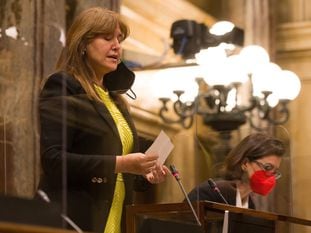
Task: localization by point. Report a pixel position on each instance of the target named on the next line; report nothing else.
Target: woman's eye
(268, 167)
(108, 37)
(105, 37)
(120, 38)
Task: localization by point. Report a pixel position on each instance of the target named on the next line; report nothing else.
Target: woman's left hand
(158, 174)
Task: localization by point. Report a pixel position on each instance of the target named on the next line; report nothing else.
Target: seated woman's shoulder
(221, 183)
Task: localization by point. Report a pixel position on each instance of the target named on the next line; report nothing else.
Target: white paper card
(161, 146)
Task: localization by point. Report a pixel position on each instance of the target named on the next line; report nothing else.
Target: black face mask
(120, 80)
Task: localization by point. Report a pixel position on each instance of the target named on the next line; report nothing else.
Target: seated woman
(252, 166)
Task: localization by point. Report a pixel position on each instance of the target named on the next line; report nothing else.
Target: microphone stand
(46, 199)
(214, 187)
(177, 177)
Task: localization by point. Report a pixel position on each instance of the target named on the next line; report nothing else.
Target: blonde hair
(86, 26)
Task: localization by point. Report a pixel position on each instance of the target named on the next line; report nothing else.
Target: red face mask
(261, 183)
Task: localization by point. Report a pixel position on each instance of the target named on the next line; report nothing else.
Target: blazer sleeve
(62, 105)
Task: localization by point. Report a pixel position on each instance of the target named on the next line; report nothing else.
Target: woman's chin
(112, 66)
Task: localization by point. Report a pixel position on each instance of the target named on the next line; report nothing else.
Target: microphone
(43, 196)
(214, 187)
(46, 199)
(175, 173)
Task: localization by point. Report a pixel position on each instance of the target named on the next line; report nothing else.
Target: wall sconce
(241, 87)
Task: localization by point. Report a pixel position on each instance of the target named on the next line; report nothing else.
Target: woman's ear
(82, 48)
(244, 164)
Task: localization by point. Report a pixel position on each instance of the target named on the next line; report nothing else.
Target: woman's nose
(116, 44)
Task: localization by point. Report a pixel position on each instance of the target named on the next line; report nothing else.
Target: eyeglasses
(269, 169)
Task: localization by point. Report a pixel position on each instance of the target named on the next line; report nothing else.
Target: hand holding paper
(162, 146)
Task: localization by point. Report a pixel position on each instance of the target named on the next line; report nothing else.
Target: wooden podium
(9, 227)
(177, 217)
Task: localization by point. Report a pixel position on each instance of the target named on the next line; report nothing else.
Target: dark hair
(251, 148)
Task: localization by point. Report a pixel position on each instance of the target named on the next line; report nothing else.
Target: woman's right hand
(136, 163)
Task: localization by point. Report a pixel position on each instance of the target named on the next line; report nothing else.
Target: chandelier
(232, 90)
(227, 85)
(233, 87)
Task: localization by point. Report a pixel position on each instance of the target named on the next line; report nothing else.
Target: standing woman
(89, 147)
(250, 167)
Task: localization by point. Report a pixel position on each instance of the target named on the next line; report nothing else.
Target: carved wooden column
(257, 23)
(20, 71)
(29, 46)
(293, 53)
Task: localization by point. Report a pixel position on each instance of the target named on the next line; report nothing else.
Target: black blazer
(227, 188)
(79, 144)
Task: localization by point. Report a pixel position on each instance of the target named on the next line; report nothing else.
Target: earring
(83, 52)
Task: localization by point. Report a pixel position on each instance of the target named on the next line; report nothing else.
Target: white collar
(239, 200)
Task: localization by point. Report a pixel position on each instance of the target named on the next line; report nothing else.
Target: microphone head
(212, 183)
(173, 169)
(174, 172)
(43, 196)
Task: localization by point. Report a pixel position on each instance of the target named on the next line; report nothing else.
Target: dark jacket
(226, 187)
(79, 144)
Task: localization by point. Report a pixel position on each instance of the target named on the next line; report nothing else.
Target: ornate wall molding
(294, 47)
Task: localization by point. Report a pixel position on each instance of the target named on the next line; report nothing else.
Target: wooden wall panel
(150, 23)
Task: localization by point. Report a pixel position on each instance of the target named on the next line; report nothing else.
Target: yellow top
(114, 219)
